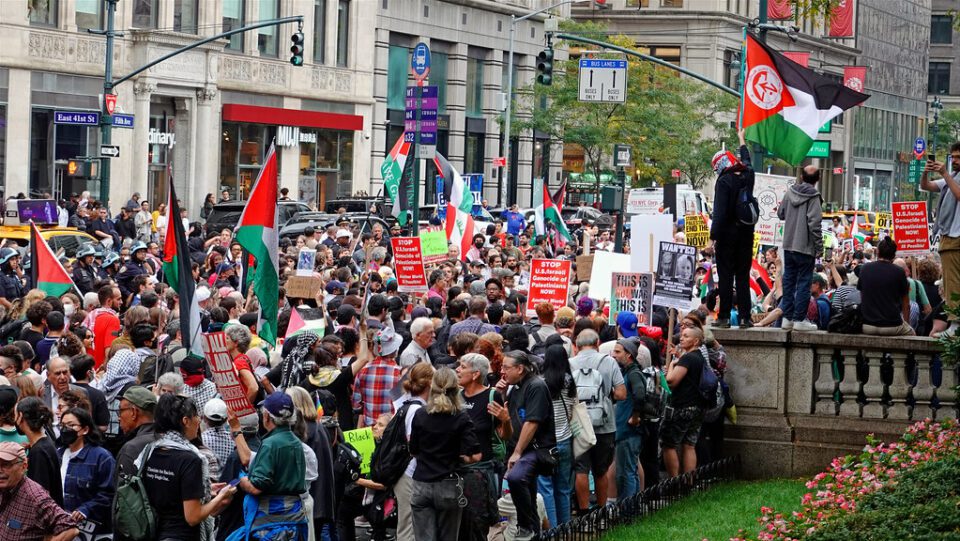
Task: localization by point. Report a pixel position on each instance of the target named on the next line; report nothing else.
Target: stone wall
(804, 398)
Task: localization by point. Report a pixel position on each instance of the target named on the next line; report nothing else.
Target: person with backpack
(599, 384)
(802, 213)
(682, 420)
(539, 333)
(735, 213)
(630, 414)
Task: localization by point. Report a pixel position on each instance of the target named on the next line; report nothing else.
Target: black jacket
(85, 277)
(725, 223)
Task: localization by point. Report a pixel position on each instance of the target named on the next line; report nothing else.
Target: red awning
(276, 116)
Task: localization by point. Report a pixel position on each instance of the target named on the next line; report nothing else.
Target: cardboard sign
(584, 268)
(434, 246)
(675, 276)
(225, 375)
(303, 287)
(604, 265)
(362, 440)
(696, 231)
(408, 265)
(549, 282)
(646, 234)
(884, 221)
(910, 228)
(769, 191)
(632, 292)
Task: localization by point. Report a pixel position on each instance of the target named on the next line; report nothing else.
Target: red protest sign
(408, 264)
(549, 281)
(225, 375)
(910, 228)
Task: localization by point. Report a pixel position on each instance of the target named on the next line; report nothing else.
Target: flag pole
(742, 82)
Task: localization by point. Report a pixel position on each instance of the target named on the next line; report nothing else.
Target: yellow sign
(756, 243)
(362, 440)
(696, 231)
(884, 221)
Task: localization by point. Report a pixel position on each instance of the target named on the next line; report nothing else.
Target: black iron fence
(593, 526)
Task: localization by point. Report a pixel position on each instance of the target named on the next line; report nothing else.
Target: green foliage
(948, 131)
(814, 8)
(672, 122)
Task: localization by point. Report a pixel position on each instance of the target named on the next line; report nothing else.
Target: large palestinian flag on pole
(257, 233)
(177, 273)
(47, 274)
(548, 212)
(784, 104)
(456, 192)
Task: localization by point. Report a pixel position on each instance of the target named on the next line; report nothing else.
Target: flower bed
(857, 488)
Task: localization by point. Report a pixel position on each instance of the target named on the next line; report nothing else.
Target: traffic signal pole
(106, 120)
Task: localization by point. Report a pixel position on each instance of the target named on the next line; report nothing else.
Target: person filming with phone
(947, 224)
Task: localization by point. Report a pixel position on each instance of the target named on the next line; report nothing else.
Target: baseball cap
(141, 398)
(278, 404)
(223, 267)
(8, 398)
(215, 410)
(627, 324)
(334, 285)
(10, 451)
(419, 311)
(343, 233)
(202, 293)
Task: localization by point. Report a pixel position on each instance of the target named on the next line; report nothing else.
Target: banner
(225, 375)
(434, 246)
(632, 292)
(549, 282)
(855, 77)
(884, 222)
(779, 10)
(408, 265)
(910, 228)
(696, 231)
(800, 58)
(362, 440)
(841, 20)
(675, 276)
(769, 191)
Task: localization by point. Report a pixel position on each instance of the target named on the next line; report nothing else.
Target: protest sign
(604, 265)
(756, 243)
(408, 265)
(225, 375)
(632, 292)
(769, 191)
(549, 282)
(584, 267)
(910, 228)
(675, 276)
(884, 222)
(305, 261)
(434, 246)
(646, 234)
(362, 440)
(303, 287)
(696, 231)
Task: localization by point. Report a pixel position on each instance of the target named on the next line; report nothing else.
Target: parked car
(355, 204)
(319, 222)
(227, 215)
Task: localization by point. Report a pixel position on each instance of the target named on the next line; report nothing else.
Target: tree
(948, 131)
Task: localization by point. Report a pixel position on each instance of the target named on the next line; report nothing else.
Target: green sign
(362, 440)
(826, 128)
(916, 169)
(820, 149)
(434, 245)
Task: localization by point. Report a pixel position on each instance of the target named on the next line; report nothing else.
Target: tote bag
(584, 438)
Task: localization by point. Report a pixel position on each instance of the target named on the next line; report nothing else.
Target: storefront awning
(255, 114)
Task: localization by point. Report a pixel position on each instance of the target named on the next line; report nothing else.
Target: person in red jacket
(104, 322)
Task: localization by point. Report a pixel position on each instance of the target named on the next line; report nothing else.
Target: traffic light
(296, 47)
(79, 168)
(545, 67)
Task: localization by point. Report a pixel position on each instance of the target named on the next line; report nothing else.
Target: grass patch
(716, 514)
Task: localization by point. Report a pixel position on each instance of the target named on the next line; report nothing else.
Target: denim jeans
(628, 457)
(556, 489)
(797, 273)
(436, 509)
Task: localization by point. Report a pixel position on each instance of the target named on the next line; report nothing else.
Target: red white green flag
(459, 222)
(48, 274)
(784, 104)
(257, 233)
(177, 273)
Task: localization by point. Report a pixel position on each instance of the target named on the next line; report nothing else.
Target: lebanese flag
(47, 274)
(459, 222)
(257, 233)
(177, 272)
(784, 104)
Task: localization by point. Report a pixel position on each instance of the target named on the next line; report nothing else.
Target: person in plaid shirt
(27, 512)
(375, 382)
(217, 437)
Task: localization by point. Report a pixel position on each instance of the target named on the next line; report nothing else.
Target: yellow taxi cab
(43, 212)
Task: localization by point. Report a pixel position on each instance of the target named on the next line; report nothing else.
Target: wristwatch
(235, 433)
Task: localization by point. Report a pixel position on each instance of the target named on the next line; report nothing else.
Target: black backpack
(392, 454)
(539, 344)
(747, 209)
(846, 321)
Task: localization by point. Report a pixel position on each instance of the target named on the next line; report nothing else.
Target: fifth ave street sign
(603, 81)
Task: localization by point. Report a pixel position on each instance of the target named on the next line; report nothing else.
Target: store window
(343, 32)
(474, 149)
(145, 13)
(243, 148)
(185, 16)
(319, 30)
(43, 12)
(938, 81)
(88, 14)
(438, 78)
(398, 65)
(233, 19)
(941, 29)
(51, 146)
(326, 166)
(160, 156)
(474, 87)
(267, 36)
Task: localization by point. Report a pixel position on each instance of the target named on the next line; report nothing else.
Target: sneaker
(721, 323)
(746, 324)
(805, 326)
(786, 324)
(951, 330)
(524, 535)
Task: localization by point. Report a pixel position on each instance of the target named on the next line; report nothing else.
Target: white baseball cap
(343, 233)
(202, 293)
(215, 410)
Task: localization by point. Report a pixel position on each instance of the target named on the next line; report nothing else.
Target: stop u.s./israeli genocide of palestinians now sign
(910, 228)
(549, 282)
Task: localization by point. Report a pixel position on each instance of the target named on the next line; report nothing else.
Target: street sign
(919, 147)
(109, 151)
(603, 81)
(122, 121)
(621, 156)
(500, 161)
(838, 170)
(76, 118)
(427, 125)
(676, 173)
(420, 61)
(820, 149)
(916, 170)
(109, 103)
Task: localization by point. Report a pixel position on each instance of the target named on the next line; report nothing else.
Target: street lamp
(505, 176)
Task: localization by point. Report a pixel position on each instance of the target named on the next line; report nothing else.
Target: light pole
(505, 176)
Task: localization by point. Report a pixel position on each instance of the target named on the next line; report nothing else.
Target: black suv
(227, 215)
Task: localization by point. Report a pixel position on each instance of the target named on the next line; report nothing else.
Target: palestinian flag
(459, 222)
(395, 182)
(784, 104)
(46, 272)
(548, 212)
(257, 233)
(177, 273)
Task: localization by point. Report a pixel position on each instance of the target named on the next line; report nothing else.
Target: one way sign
(109, 151)
(603, 80)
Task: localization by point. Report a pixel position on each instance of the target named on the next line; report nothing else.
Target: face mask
(68, 436)
(68, 310)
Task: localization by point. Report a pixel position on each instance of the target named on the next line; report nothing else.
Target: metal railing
(664, 494)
